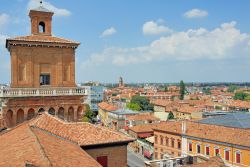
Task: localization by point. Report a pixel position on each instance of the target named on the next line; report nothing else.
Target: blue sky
(144, 40)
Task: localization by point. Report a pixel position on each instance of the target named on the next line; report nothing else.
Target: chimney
(183, 127)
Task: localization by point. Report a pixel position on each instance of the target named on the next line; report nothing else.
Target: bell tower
(41, 21)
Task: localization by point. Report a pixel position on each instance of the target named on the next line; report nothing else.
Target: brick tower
(42, 74)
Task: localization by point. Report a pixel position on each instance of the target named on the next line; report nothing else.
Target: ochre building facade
(42, 74)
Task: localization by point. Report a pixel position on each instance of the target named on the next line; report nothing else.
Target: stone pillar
(75, 114)
(56, 111)
(66, 111)
(25, 116)
(14, 117)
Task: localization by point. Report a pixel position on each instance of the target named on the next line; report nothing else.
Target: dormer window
(41, 27)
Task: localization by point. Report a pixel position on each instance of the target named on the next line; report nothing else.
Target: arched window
(41, 27)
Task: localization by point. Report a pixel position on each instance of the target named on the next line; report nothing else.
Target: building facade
(42, 74)
(181, 139)
(95, 95)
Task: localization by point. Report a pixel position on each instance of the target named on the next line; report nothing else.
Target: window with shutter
(237, 157)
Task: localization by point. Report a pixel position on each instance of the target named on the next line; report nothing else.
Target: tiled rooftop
(230, 135)
(84, 134)
(42, 38)
(142, 117)
(144, 127)
(24, 145)
(106, 106)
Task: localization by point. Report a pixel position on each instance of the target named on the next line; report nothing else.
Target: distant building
(103, 112)
(121, 84)
(95, 95)
(117, 118)
(187, 138)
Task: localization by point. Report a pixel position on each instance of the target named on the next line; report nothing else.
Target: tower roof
(41, 9)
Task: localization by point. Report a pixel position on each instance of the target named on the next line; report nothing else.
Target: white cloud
(57, 11)
(2, 40)
(155, 28)
(196, 13)
(4, 19)
(224, 42)
(108, 32)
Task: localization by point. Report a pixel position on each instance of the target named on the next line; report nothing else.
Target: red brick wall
(117, 155)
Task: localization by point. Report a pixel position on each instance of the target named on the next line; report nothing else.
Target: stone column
(25, 112)
(66, 111)
(14, 117)
(75, 114)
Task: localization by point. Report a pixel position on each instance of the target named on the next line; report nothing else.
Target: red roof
(42, 38)
(145, 135)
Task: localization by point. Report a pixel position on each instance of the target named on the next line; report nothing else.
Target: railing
(31, 92)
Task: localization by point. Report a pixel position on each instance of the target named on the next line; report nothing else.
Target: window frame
(47, 81)
(227, 150)
(190, 149)
(198, 149)
(207, 147)
(237, 152)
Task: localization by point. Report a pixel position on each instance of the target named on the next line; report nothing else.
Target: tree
(85, 119)
(247, 98)
(170, 115)
(166, 88)
(232, 88)
(182, 90)
(143, 102)
(89, 114)
(133, 106)
(240, 95)
(207, 91)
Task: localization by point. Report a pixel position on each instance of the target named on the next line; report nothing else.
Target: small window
(238, 157)
(227, 155)
(167, 141)
(41, 27)
(179, 144)
(161, 140)
(198, 149)
(217, 151)
(207, 150)
(172, 143)
(44, 79)
(190, 147)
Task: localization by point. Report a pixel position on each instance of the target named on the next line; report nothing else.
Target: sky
(143, 40)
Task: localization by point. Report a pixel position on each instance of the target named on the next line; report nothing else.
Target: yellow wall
(164, 148)
(103, 115)
(245, 154)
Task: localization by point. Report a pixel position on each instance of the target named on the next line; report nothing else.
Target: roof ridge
(40, 146)
(52, 134)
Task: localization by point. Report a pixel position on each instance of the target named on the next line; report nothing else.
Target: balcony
(35, 92)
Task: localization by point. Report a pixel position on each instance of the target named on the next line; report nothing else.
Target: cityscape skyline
(164, 42)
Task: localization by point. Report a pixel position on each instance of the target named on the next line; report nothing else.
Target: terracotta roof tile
(42, 38)
(205, 131)
(146, 117)
(144, 127)
(27, 145)
(106, 106)
(84, 134)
